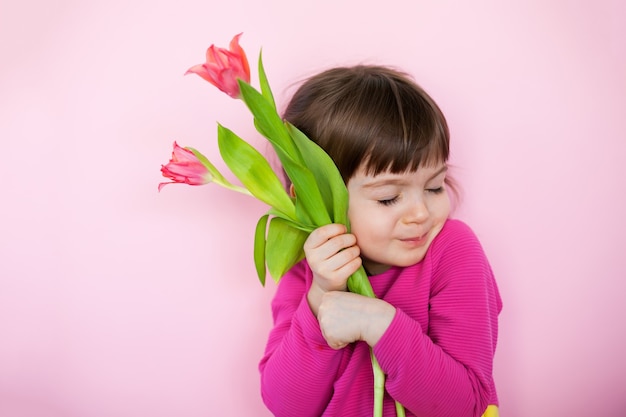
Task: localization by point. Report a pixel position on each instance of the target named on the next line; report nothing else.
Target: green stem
(379, 386)
(217, 177)
(360, 284)
(233, 187)
(400, 410)
(379, 390)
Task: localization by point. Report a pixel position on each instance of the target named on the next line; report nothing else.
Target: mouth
(416, 240)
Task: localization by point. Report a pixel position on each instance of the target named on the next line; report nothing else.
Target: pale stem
(379, 390)
(400, 410)
(379, 386)
(233, 187)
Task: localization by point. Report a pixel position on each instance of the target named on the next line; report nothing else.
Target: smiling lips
(416, 241)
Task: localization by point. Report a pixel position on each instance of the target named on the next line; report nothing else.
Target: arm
(446, 369)
(298, 368)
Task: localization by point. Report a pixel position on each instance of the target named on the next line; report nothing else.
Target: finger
(331, 340)
(338, 346)
(334, 246)
(322, 234)
(349, 264)
(334, 264)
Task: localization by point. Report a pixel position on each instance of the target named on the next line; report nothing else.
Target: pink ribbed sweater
(437, 353)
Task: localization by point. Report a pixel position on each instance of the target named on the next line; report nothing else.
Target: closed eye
(388, 201)
(437, 190)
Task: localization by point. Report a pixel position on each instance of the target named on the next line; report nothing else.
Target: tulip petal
(237, 50)
(163, 184)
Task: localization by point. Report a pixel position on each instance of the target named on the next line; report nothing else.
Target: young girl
(433, 327)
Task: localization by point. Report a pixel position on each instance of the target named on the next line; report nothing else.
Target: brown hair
(370, 114)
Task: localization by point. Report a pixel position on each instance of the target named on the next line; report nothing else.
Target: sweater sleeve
(446, 369)
(298, 368)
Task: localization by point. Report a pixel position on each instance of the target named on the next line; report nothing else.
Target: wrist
(378, 321)
(314, 298)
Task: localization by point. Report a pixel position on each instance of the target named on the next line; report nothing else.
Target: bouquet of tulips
(281, 232)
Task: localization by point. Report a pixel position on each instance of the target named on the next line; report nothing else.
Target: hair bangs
(399, 129)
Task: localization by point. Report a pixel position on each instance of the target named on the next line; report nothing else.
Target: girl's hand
(333, 256)
(346, 317)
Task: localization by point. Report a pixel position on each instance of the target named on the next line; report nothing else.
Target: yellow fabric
(491, 411)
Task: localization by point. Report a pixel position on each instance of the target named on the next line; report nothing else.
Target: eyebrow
(395, 181)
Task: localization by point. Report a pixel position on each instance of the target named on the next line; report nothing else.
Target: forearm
(298, 369)
(426, 379)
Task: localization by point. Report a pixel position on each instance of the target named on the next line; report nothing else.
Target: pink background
(119, 301)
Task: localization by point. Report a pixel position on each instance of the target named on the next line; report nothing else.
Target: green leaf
(309, 202)
(259, 247)
(265, 85)
(308, 228)
(359, 283)
(332, 188)
(321, 195)
(310, 207)
(254, 171)
(284, 247)
(268, 122)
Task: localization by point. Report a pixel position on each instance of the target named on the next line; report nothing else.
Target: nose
(417, 212)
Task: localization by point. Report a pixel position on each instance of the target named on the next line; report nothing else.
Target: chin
(411, 260)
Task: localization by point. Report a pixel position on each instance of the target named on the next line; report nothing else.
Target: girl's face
(395, 217)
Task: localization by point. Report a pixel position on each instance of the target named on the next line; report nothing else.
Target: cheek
(370, 226)
(441, 208)
(356, 220)
(362, 222)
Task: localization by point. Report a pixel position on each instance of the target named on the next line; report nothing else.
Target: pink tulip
(185, 168)
(223, 67)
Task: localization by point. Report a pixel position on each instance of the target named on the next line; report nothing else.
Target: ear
(292, 190)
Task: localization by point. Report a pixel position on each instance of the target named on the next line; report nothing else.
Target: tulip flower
(223, 67)
(184, 168)
(189, 166)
